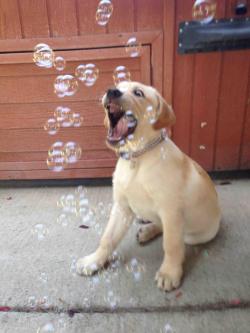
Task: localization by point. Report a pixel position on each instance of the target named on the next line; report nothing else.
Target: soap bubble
(81, 190)
(32, 302)
(91, 75)
(65, 85)
(43, 302)
(135, 267)
(89, 219)
(63, 219)
(51, 126)
(86, 303)
(120, 74)
(167, 329)
(56, 160)
(73, 267)
(133, 47)
(59, 63)
(104, 12)
(72, 152)
(83, 205)
(64, 116)
(111, 299)
(151, 114)
(41, 231)
(88, 74)
(43, 277)
(204, 10)
(43, 56)
(77, 120)
(47, 328)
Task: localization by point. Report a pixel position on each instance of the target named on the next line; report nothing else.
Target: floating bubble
(56, 159)
(101, 208)
(72, 152)
(167, 329)
(91, 75)
(63, 219)
(120, 74)
(43, 302)
(88, 74)
(47, 328)
(59, 63)
(115, 263)
(104, 12)
(43, 56)
(51, 126)
(43, 277)
(151, 114)
(64, 116)
(41, 231)
(112, 299)
(32, 302)
(65, 85)
(77, 120)
(86, 302)
(83, 191)
(73, 267)
(133, 47)
(204, 11)
(89, 219)
(136, 267)
(61, 202)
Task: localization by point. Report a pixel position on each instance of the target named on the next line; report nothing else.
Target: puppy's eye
(138, 93)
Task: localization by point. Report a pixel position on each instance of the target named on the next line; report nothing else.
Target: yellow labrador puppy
(153, 179)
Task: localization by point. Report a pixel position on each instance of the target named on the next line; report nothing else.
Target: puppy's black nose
(114, 93)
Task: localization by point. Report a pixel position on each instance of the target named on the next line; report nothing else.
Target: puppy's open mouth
(121, 123)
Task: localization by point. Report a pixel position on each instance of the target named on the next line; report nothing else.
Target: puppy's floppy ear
(166, 116)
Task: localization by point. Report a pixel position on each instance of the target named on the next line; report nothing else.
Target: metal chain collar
(149, 146)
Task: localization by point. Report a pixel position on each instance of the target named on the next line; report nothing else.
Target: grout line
(218, 306)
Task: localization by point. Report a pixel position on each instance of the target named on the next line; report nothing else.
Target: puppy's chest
(138, 198)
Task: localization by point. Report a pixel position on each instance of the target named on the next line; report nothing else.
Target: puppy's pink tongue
(121, 128)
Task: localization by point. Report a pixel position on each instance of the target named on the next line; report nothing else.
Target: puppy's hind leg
(148, 232)
(121, 218)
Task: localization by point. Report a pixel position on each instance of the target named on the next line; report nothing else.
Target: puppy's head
(134, 110)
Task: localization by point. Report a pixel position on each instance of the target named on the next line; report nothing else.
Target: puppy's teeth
(129, 113)
(131, 124)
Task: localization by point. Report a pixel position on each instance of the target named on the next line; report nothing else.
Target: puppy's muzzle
(122, 123)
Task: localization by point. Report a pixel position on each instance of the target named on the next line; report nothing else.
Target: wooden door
(27, 100)
(211, 97)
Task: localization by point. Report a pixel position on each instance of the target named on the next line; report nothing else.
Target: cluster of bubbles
(104, 12)
(204, 11)
(73, 206)
(63, 117)
(60, 155)
(44, 56)
(76, 207)
(88, 74)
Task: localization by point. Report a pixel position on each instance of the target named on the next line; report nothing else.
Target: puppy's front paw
(168, 279)
(89, 264)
